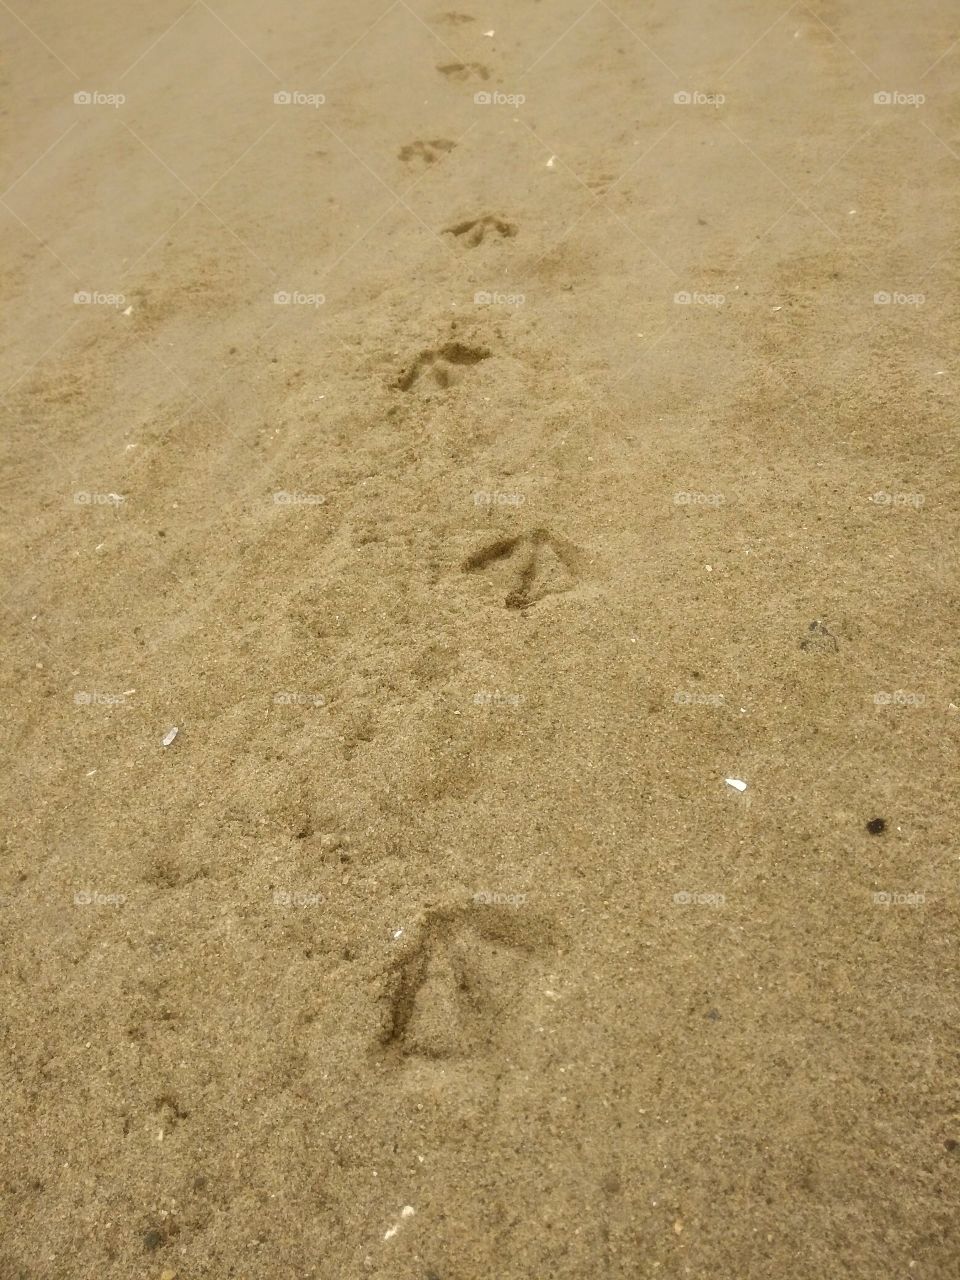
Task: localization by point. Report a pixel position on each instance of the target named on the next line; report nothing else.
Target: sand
(477, 485)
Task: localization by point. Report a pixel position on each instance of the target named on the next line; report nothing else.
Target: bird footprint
(531, 566)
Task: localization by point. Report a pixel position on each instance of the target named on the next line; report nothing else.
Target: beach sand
(484, 436)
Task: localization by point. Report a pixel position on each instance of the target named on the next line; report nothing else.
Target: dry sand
(436, 945)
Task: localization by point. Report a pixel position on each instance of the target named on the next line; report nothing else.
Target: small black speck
(876, 826)
(950, 1144)
(152, 1239)
(712, 1014)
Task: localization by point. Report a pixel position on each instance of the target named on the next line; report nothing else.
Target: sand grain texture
(576, 469)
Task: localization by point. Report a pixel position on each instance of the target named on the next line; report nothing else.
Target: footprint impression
(442, 363)
(458, 992)
(465, 71)
(426, 152)
(473, 231)
(530, 566)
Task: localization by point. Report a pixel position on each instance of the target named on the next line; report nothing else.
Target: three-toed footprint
(458, 990)
(530, 566)
(465, 71)
(426, 152)
(442, 362)
(473, 231)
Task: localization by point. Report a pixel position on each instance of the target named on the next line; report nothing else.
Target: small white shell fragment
(408, 1211)
(737, 783)
(129, 310)
(169, 737)
(552, 162)
(489, 33)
